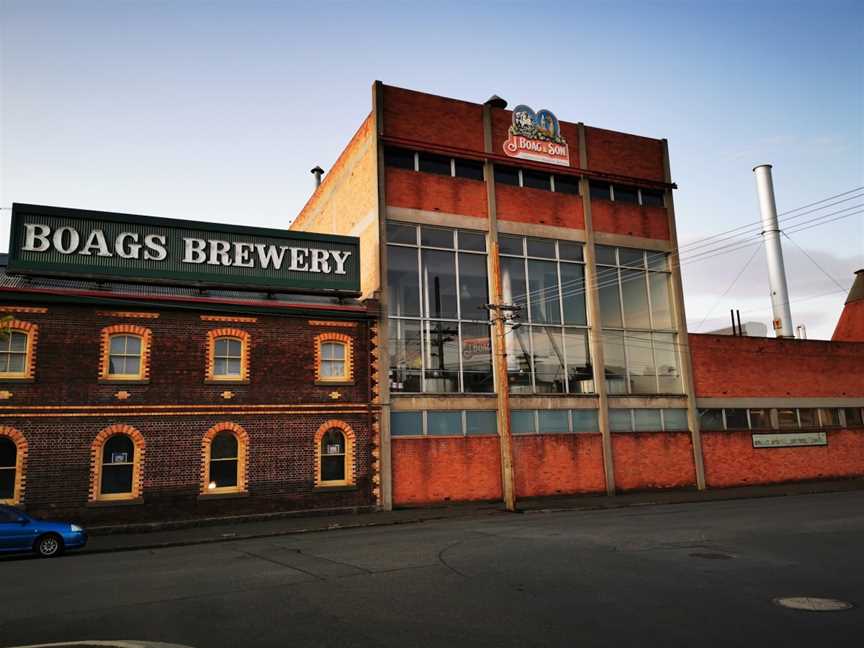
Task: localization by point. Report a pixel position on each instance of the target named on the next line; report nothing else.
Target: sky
(216, 111)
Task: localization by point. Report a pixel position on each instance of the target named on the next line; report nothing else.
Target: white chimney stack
(773, 250)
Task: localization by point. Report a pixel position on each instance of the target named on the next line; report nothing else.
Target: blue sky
(217, 110)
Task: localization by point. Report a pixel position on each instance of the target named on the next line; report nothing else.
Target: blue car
(20, 532)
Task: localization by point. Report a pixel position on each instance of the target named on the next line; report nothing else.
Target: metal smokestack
(773, 250)
(317, 172)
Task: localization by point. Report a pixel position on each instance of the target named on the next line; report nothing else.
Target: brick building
(133, 400)
(582, 377)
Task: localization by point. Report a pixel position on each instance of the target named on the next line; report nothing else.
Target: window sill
(215, 496)
(118, 502)
(335, 489)
(226, 381)
(13, 379)
(124, 381)
(334, 383)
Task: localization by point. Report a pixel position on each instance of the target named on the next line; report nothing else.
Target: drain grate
(813, 604)
(707, 555)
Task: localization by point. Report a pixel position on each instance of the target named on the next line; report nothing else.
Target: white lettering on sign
(197, 251)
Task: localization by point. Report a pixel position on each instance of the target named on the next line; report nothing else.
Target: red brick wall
(651, 460)
(431, 469)
(632, 220)
(432, 192)
(725, 366)
(624, 154)
(424, 117)
(558, 464)
(537, 206)
(850, 327)
(731, 460)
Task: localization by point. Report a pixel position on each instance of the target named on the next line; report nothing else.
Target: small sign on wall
(536, 136)
(790, 440)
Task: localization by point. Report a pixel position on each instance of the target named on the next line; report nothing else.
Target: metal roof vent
(317, 172)
(496, 102)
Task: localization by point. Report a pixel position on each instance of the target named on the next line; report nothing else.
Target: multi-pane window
(333, 456)
(639, 339)
(549, 351)
(8, 468)
(13, 353)
(439, 329)
(227, 357)
(332, 360)
(648, 420)
(788, 418)
(627, 194)
(444, 423)
(118, 467)
(223, 462)
(124, 356)
(533, 179)
(554, 421)
(426, 162)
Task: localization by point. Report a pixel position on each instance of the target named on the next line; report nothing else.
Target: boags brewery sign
(101, 245)
(536, 136)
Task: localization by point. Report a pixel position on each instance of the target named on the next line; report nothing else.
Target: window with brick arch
(227, 357)
(117, 476)
(333, 365)
(8, 469)
(124, 356)
(13, 353)
(223, 463)
(333, 457)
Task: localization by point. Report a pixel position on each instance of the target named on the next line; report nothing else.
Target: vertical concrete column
(592, 300)
(386, 464)
(681, 324)
(499, 365)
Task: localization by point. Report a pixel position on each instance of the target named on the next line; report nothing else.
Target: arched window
(13, 455)
(227, 355)
(334, 455)
(333, 358)
(125, 353)
(224, 459)
(117, 461)
(17, 349)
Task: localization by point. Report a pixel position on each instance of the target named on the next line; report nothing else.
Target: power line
(813, 261)
(731, 285)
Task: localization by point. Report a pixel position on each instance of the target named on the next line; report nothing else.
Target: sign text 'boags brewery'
(536, 136)
(79, 243)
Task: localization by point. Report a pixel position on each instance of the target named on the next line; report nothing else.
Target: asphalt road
(682, 575)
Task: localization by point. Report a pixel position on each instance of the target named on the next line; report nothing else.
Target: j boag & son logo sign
(536, 136)
(123, 247)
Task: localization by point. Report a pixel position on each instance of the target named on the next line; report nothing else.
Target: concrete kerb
(527, 506)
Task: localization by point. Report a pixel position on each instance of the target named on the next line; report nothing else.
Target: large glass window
(549, 352)
(640, 342)
(439, 331)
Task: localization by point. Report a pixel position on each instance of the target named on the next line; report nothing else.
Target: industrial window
(224, 451)
(648, 420)
(639, 337)
(808, 417)
(554, 421)
(399, 158)
(507, 175)
(853, 416)
(470, 169)
(652, 197)
(711, 419)
(227, 355)
(567, 184)
(333, 358)
(760, 419)
(626, 194)
(334, 447)
(17, 349)
(125, 353)
(536, 179)
(118, 460)
(439, 329)
(444, 423)
(549, 351)
(829, 417)
(13, 457)
(600, 190)
(432, 163)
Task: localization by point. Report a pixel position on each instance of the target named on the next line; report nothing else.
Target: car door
(13, 534)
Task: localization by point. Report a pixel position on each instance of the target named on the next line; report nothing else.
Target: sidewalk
(110, 539)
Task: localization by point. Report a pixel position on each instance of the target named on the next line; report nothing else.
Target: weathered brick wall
(624, 154)
(632, 220)
(653, 460)
(528, 205)
(731, 459)
(435, 193)
(558, 464)
(444, 469)
(726, 366)
(850, 326)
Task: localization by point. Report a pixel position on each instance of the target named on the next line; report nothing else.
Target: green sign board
(123, 247)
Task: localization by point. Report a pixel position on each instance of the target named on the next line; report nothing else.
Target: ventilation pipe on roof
(317, 172)
(496, 102)
(773, 250)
